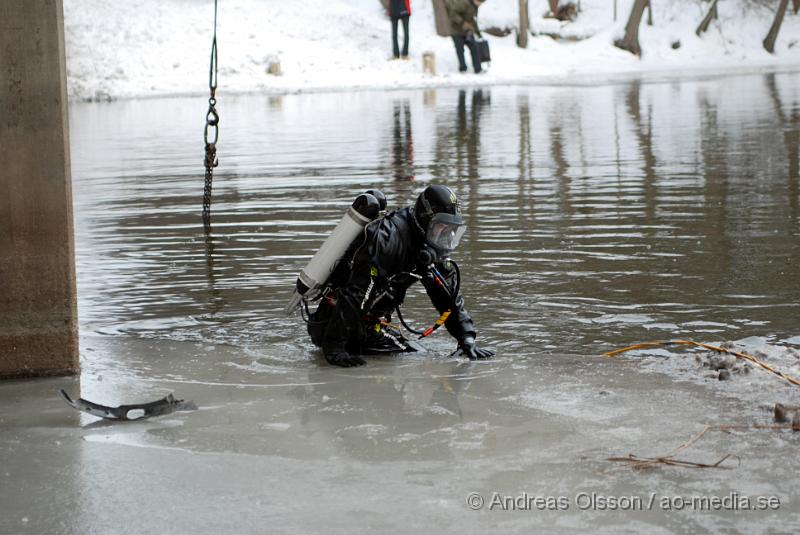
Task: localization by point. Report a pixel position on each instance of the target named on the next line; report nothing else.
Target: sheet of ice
(148, 48)
(757, 385)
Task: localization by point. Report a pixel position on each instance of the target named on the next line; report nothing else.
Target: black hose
(454, 292)
(403, 322)
(458, 280)
(453, 297)
(307, 315)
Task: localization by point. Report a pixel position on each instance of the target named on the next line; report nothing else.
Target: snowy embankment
(149, 47)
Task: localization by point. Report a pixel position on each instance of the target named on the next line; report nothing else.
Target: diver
(369, 282)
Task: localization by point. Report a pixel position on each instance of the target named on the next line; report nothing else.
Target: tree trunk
(711, 15)
(630, 41)
(796, 5)
(769, 41)
(440, 18)
(522, 34)
(553, 7)
(649, 13)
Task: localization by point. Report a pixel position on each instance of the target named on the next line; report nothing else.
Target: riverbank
(146, 49)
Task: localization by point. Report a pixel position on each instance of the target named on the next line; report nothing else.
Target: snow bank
(161, 47)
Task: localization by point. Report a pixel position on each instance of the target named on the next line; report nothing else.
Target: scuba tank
(365, 208)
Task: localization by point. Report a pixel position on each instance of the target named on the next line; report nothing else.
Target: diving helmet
(438, 215)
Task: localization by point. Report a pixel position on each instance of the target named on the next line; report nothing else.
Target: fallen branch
(770, 427)
(640, 463)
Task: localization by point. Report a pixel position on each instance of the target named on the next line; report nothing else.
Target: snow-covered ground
(161, 47)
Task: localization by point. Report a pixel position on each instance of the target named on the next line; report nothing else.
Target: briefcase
(483, 50)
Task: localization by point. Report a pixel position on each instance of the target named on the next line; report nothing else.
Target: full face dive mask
(444, 233)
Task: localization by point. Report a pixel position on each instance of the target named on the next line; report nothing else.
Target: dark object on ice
(724, 375)
(676, 45)
(788, 413)
(131, 412)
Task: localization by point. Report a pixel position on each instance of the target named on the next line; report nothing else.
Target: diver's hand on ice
(468, 348)
(345, 359)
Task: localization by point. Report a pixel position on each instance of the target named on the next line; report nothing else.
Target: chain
(212, 127)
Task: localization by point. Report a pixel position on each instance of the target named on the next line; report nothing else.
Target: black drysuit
(372, 279)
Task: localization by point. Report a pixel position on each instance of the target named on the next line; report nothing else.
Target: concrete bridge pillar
(38, 311)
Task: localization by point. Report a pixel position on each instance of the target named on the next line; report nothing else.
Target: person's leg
(405, 36)
(385, 340)
(395, 47)
(458, 41)
(476, 57)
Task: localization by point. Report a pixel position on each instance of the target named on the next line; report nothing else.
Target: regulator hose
(403, 322)
(452, 293)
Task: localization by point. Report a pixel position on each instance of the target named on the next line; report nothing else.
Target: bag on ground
(483, 50)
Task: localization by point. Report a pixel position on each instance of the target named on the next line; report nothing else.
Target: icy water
(597, 215)
(600, 215)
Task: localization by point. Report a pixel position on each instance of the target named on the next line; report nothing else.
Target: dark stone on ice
(785, 413)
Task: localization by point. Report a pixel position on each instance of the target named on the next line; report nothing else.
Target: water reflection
(215, 300)
(458, 137)
(597, 214)
(791, 141)
(383, 414)
(402, 163)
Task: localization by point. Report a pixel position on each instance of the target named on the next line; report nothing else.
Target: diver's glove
(468, 348)
(345, 359)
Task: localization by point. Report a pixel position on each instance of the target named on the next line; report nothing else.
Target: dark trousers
(364, 338)
(460, 41)
(395, 47)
